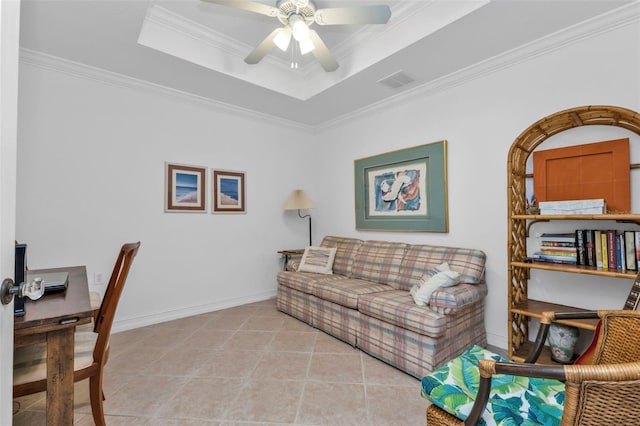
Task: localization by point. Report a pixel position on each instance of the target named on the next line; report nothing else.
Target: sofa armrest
(446, 300)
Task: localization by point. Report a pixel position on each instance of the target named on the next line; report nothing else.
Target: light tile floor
(245, 365)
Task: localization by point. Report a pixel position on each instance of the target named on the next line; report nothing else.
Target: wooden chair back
(105, 315)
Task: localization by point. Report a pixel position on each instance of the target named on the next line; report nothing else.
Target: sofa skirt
(336, 320)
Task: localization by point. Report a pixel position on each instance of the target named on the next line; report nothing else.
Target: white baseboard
(142, 321)
(497, 340)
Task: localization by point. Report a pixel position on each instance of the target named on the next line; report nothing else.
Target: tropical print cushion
(513, 400)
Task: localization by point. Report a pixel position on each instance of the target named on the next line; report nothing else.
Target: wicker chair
(605, 391)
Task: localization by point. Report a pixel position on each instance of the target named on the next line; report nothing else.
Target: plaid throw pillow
(318, 260)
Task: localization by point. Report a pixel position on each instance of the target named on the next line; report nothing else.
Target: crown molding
(621, 17)
(74, 69)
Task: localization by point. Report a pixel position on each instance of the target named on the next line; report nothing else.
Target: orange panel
(582, 172)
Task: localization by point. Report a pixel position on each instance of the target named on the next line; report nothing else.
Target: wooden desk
(53, 319)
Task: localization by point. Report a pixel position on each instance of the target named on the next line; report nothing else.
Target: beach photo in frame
(404, 190)
(185, 188)
(228, 192)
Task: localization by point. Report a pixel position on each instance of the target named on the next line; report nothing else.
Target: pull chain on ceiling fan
(297, 16)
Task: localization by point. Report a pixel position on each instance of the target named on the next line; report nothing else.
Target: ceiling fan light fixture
(299, 28)
(306, 46)
(283, 38)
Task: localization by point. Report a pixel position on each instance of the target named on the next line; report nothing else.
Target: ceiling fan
(297, 16)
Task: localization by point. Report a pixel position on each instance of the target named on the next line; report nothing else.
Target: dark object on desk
(26, 368)
(54, 282)
(19, 276)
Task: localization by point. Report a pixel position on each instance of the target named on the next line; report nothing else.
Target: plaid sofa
(366, 301)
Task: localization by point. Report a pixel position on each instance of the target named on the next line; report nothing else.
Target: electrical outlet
(98, 278)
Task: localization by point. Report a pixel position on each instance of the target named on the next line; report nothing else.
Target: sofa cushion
(305, 282)
(379, 261)
(346, 292)
(398, 308)
(514, 400)
(446, 300)
(346, 249)
(318, 260)
(418, 259)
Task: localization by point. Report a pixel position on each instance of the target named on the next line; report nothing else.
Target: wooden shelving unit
(521, 308)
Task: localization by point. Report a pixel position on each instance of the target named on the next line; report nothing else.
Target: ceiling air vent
(396, 80)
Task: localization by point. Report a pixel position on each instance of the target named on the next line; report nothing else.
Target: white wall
(480, 118)
(91, 174)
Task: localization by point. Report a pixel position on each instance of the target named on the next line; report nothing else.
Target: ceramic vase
(562, 342)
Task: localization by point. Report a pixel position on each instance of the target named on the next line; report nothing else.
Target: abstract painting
(403, 190)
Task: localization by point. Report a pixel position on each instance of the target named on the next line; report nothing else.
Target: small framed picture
(185, 188)
(228, 192)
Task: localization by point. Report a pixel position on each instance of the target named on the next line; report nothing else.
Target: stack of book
(557, 248)
(608, 249)
(597, 206)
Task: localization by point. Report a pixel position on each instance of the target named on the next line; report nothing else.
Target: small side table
(288, 254)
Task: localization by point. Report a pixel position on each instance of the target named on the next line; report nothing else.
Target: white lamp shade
(298, 200)
(283, 38)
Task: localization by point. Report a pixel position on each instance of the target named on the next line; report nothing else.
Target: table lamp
(299, 200)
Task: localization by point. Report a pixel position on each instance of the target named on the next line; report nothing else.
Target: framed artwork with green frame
(404, 190)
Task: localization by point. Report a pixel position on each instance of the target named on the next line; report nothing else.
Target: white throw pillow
(422, 293)
(440, 276)
(318, 260)
(445, 279)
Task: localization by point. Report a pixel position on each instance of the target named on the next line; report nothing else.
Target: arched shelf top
(591, 115)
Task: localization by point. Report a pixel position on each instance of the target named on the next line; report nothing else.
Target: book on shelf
(589, 248)
(630, 250)
(541, 257)
(605, 256)
(581, 247)
(612, 258)
(571, 244)
(620, 257)
(562, 251)
(597, 241)
(565, 237)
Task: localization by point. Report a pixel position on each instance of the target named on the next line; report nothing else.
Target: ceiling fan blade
(322, 54)
(379, 14)
(263, 48)
(251, 6)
